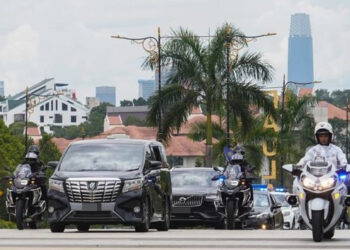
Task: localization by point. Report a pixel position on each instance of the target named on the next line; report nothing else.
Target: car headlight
(327, 183)
(263, 216)
(131, 185)
(308, 182)
(56, 185)
(287, 213)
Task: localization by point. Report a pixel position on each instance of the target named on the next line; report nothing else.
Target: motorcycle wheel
(19, 214)
(329, 235)
(317, 225)
(230, 214)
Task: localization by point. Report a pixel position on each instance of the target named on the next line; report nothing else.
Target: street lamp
(233, 46)
(152, 45)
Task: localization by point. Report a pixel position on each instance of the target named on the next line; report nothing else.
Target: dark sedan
(194, 194)
(266, 213)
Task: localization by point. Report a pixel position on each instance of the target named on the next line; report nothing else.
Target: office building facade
(106, 94)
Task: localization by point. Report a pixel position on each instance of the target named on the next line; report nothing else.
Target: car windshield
(261, 200)
(23, 171)
(192, 179)
(281, 198)
(102, 157)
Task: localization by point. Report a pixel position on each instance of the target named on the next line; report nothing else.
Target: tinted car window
(102, 157)
(261, 200)
(192, 179)
(280, 198)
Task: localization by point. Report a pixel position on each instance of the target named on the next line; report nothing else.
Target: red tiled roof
(186, 127)
(183, 146)
(33, 131)
(304, 92)
(334, 112)
(115, 120)
(63, 143)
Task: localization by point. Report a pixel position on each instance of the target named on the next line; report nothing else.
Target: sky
(70, 39)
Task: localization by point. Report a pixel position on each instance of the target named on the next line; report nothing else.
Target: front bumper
(257, 223)
(205, 214)
(119, 212)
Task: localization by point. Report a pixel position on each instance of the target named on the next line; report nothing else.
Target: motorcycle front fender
(318, 204)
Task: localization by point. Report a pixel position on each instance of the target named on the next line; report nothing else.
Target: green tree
(11, 154)
(48, 149)
(126, 103)
(139, 102)
(133, 120)
(198, 76)
(17, 128)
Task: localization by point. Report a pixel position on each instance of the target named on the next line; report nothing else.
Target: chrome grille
(187, 201)
(92, 190)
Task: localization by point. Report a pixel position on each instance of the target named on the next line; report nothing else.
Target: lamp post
(152, 45)
(284, 86)
(233, 45)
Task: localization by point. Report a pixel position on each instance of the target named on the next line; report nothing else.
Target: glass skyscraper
(106, 94)
(2, 88)
(300, 52)
(146, 88)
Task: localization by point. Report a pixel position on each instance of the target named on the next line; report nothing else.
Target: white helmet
(324, 128)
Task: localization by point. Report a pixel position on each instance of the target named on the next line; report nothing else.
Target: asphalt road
(174, 239)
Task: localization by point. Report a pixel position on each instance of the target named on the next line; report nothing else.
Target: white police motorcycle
(322, 195)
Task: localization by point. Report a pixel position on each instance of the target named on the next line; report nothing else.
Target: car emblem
(183, 199)
(92, 185)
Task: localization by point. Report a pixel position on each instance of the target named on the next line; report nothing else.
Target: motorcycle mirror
(288, 167)
(52, 164)
(216, 169)
(215, 178)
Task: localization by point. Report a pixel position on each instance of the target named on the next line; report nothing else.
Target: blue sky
(70, 39)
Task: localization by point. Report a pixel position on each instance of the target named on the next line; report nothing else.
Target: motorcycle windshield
(233, 172)
(23, 171)
(319, 168)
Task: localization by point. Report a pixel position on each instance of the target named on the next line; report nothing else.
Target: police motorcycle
(24, 197)
(235, 199)
(321, 194)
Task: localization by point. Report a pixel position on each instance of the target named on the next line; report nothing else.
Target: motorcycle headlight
(327, 183)
(131, 185)
(308, 182)
(24, 182)
(231, 183)
(56, 185)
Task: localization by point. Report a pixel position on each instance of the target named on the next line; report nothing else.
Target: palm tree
(198, 76)
(251, 140)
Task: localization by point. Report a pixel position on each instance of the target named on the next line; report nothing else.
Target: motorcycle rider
(37, 167)
(324, 147)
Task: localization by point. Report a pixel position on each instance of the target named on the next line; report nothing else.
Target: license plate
(181, 210)
(91, 206)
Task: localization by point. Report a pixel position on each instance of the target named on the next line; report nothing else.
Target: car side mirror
(156, 165)
(216, 169)
(53, 164)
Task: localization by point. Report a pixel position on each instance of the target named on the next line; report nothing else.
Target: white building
(50, 104)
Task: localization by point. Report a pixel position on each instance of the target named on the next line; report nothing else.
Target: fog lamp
(137, 209)
(51, 210)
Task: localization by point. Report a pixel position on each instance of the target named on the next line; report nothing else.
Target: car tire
(165, 224)
(82, 227)
(145, 225)
(57, 227)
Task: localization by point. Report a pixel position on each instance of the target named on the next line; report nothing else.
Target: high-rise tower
(300, 52)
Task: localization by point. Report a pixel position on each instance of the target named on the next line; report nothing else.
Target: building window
(56, 105)
(41, 118)
(73, 119)
(19, 117)
(51, 105)
(58, 118)
(64, 107)
(42, 107)
(47, 106)
(73, 109)
(84, 117)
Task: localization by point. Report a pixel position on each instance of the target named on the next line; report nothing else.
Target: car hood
(193, 191)
(98, 174)
(259, 210)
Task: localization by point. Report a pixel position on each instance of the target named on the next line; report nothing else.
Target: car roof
(192, 169)
(117, 141)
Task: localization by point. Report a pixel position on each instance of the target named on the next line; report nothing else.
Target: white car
(290, 214)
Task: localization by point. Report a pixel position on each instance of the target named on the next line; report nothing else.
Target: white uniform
(331, 153)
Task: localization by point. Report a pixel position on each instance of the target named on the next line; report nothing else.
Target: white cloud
(70, 40)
